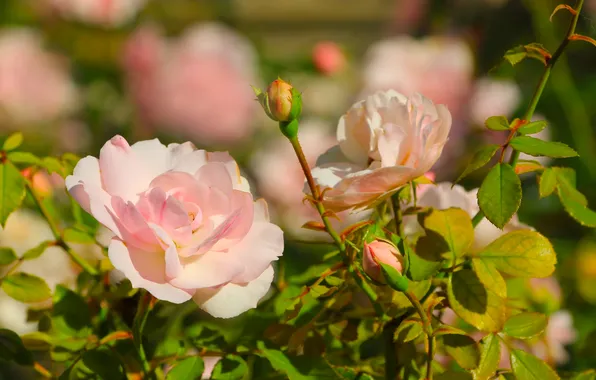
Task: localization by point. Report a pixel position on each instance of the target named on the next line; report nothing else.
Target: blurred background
(73, 73)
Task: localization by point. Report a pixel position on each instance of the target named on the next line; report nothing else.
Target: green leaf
(526, 366)
(75, 235)
(26, 288)
(12, 190)
(453, 375)
(521, 253)
(489, 358)
(230, 367)
(448, 330)
(408, 330)
(474, 302)
(24, 158)
(533, 50)
(455, 226)
(13, 141)
(572, 202)
(189, 368)
(463, 349)
(497, 123)
(548, 182)
(35, 252)
(500, 194)
(37, 341)
(7, 256)
(536, 147)
(480, 158)
(53, 165)
(100, 363)
(12, 348)
(394, 279)
(533, 127)
(525, 325)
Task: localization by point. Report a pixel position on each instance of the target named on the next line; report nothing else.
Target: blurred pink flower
(328, 57)
(493, 98)
(441, 68)
(197, 86)
(385, 141)
(185, 222)
(35, 85)
(102, 12)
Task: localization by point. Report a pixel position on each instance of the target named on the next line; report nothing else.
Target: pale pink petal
(146, 270)
(239, 182)
(215, 175)
(233, 299)
(84, 185)
(133, 228)
(263, 244)
(207, 270)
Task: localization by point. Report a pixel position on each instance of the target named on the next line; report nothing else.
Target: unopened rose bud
(380, 252)
(281, 101)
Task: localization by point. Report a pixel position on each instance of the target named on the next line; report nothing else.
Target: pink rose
(440, 68)
(380, 252)
(197, 86)
(328, 57)
(385, 141)
(35, 85)
(184, 220)
(102, 12)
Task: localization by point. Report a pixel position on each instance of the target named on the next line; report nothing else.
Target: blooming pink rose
(103, 12)
(328, 57)
(197, 86)
(446, 195)
(34, 85)
(440, 68)
(380, 252)
(385, 141)
(184, 220)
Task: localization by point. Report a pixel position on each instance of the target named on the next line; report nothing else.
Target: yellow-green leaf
(189, 368)
(522, 253)
(7, 256)
(13, 141)
(455, 226)
(525, 325)
(497, 123)
(490, 276)
(526, 366)
(35, 252)
(463, 349)
(548, 182)
(26, 288)
(533, 127)
(12, 190)
(474, 302)
(408, 330)
(489, 358)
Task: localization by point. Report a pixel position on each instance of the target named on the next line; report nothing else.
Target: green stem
(57, 234)
(428, 330)
(542, 85)
(397, 213)
(316, 194)
(143, 309)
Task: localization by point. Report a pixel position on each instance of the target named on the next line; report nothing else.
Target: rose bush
(186, 224)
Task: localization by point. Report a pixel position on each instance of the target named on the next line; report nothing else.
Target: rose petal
(233, 299)
(146, 270)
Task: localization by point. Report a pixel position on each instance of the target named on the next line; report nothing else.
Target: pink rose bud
(328, 58)
(279, 95)
(380, 252)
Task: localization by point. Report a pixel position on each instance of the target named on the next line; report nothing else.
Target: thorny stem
(57, 234)
(428, 330)
(541, 85)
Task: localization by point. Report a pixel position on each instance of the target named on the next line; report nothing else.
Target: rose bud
(380, 252)
(281, 101)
